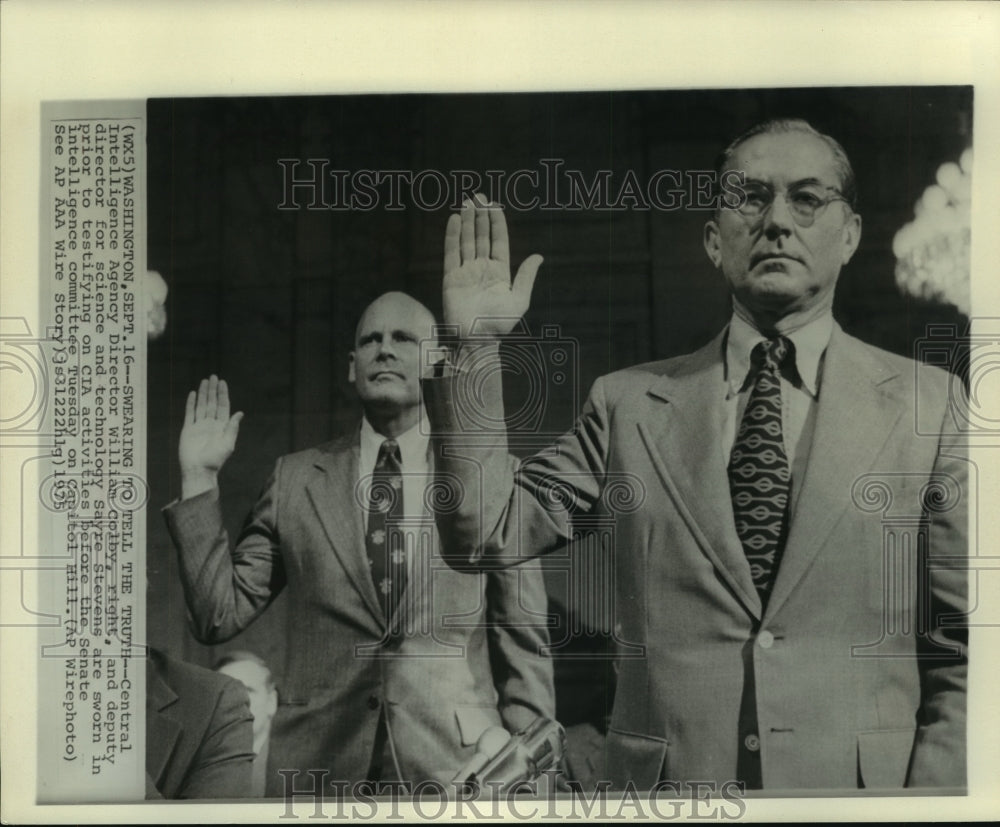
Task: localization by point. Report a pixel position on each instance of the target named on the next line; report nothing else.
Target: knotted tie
(759, 476)
(386, 554)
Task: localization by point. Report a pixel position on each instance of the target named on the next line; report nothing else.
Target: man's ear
(852, 237)
(350, 368)
(711, 242)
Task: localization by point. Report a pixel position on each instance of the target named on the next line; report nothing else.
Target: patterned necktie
(759, 476)
(384, 540)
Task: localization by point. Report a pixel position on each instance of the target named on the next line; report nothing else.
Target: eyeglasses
(804, 202)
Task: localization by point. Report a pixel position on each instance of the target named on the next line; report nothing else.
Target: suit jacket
(859, 660)
(199, 732)
(469, 653)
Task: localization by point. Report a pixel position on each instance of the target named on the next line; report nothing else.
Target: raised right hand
(208, 437)
(479, 296)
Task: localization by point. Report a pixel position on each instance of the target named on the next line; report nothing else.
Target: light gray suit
(469, 656)
(860, 679)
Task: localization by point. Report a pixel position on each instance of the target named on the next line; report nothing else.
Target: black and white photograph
(514, 450)
(311, 245)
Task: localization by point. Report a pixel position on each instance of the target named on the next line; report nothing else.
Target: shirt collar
(413, 445)
(810, 342)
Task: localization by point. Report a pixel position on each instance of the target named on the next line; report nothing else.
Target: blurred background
(268, 298)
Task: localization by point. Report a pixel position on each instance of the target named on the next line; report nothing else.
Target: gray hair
(848, 186)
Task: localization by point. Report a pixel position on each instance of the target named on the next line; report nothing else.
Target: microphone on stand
(523, 757)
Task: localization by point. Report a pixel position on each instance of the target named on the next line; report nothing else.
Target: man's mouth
(384, 374)
(773, 258)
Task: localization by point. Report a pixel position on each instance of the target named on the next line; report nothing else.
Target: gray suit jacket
(199, 732)
(471, 653)
(859, 659)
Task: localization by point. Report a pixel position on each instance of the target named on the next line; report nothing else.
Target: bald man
(255, 675)
(395, 663)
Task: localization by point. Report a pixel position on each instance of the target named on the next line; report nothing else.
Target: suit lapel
(333, 496)
(683, 439)
(857, 412)
(161, 730)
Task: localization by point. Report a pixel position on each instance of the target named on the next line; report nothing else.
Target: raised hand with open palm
(208, 437)
(479, 296)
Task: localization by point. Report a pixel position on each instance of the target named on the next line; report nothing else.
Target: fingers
(211, 401)
(212, 404)
(500, 250)
(524, 281)
(479, 231)
(232, 428)
(199, 411)
(482, 227)
(468, 240)
(222, 411)
(452, 241)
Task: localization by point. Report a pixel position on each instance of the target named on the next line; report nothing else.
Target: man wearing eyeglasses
(794, 571)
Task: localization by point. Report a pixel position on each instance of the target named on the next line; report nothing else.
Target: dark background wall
(268, 298)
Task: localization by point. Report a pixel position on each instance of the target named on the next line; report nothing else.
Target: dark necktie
(384, 540)
(759, 476)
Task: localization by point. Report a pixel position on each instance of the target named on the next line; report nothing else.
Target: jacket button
(752, 742)
(765, 639)
(373, 702)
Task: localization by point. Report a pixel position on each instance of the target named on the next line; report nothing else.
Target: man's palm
(478, 294)
(208, 437)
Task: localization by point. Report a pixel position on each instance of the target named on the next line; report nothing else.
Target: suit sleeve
(939, 750)
(225, 586)
(223, 765)
(516, 609)
(500, 512)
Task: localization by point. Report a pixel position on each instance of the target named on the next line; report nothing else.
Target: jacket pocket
(636, 758)
(474, 720)
(884, 757)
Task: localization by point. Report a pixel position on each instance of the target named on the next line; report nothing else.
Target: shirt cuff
(209, 497)
(469, 356)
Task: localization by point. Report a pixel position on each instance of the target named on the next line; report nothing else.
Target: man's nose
(386, 347)
(778, 217)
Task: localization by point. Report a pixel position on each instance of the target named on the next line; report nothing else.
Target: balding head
(400, 306)
(253, 673)
(385, 363)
